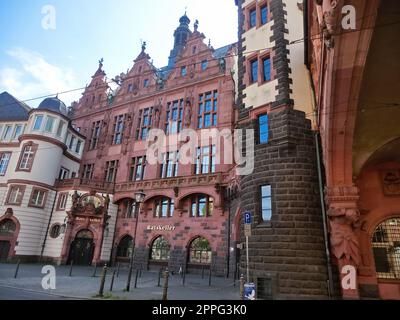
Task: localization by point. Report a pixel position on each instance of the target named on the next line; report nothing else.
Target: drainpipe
(48, 227)
(228, 260)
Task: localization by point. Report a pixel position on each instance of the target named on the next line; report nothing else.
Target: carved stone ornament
(344, 241)
(328, 25)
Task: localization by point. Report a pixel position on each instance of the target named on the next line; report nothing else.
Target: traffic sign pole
(247, 258)
(247, 231)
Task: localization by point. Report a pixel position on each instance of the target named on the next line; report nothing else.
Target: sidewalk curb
(46, 293)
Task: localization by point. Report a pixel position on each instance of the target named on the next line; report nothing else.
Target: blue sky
(35, 61)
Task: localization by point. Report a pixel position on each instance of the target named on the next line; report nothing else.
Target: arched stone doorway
(9, 230)
(82, 248)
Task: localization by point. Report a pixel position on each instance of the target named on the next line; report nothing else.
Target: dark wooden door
(81, 252)
(4, 250)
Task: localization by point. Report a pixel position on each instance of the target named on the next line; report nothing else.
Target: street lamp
(139, 198)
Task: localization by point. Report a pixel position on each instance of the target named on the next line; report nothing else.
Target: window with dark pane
(125, 247)
(170, 165)
(264, 15)
(137, 168)
(254, 71)
(252, 18)
(163, 207)
(174, 117)
(267, 69)
(111, 171)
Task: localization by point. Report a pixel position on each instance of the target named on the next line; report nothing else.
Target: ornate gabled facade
(184, 206)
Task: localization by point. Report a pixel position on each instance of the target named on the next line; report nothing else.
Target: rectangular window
(267, 69)
(72, 142)
(7, 132)
(146, 83)
(205, 162)
(27, 157)
(263, 128)
(62, 201)
(64, 174)
(163, 208)
(49, 124)
(130, 87)
(15, 195)
(252, 18)
(4, 160)
(118, 129)
(38, 123)
(144, 123)
(78, 146)
(38, 198)
(138, 169)
(208, 110)
(204, 65)
(18, 131)
(87, 172)
(266, 203)
(201, 206)
(96, 129)
(254, 71)
(174, 117)
(264, 15)
(170, 165)
(111, 171)
(60, 128)
(183, 71)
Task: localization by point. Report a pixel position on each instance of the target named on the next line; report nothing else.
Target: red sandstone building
(183, 221)
(356, 75)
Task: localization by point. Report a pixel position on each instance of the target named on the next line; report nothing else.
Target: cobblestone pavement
(82, 284)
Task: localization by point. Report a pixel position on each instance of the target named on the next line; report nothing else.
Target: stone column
(344, 218)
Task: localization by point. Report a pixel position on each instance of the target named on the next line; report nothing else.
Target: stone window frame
(51, 232)
(200, 155)
(21, 197)
(257, 6)
(170, 159)
(134, 164)
(60, 200)
(159, 202)
(95, 134)
(195, 199)
(45, 191)
(88, 168)
(8, 162)
(35, 147)
(258, 204)
(177, 105)
(201, 113)
(118, 129)
(111, 165)
(143, 113)
(260, 57)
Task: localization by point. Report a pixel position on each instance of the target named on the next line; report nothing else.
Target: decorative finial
(144, 46)
(196, 25)
(101, 63)
(209, 43)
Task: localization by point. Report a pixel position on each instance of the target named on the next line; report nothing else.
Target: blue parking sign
(247, 218)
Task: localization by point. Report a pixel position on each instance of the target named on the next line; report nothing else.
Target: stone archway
(9, 231)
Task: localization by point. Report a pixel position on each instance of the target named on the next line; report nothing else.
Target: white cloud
(33, 76)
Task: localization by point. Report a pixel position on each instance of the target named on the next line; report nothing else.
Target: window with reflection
(201, 206)
(200, 251)
(7, 227)
(160, 249)
(163, 207)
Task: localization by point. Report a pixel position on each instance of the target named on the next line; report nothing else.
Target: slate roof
(53, 104)
(11, 109)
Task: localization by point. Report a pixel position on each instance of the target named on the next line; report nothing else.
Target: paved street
(82, 284)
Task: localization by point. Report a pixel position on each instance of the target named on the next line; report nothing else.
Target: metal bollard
(140, 272)
(202, 272)
(112, 281)
(128, 283)
(95, 270)
(70, 268)
(165, 291)
(17, 269)
(118, 269)
(103, 280)
(241, 287)
(184, 276)
(209, 277)
(159, 277)
(136, 277)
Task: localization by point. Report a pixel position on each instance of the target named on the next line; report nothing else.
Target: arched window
(125, 247)
(201, 206)
(200, 251)
(386, 248)
(163, 207)
(7, 227)
(84, 234)
(160, 249)
(55, 231)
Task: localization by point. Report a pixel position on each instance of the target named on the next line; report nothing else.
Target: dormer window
(204, 65)
(183, 71)
(146, 83)
(17, 131)
(194, 49)
(130, 87)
